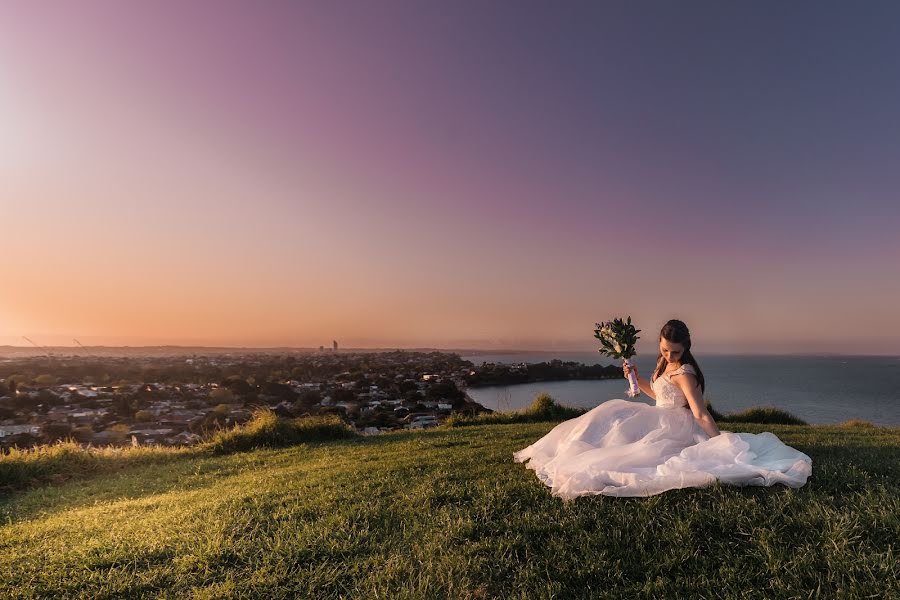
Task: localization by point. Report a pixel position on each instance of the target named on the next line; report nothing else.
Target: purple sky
(465, 174)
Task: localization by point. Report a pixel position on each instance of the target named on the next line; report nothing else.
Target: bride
(628, 448)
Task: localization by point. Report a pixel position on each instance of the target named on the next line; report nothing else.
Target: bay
(818, 389)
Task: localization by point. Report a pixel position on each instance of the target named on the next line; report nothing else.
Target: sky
(450, 174)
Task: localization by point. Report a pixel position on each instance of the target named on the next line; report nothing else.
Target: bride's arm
(642, 383)
(690, 387)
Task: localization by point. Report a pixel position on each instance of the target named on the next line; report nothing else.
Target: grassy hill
(445, 513)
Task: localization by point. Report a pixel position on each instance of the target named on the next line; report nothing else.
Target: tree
(48, 398)
(55, 430)
(310, 397)
(279, 390)
(237, 385)
(222, 395)
(408, 385)
(83, 433)
(300, 373)
(444, 390)
(143, 415)
(383, 382)
(119, 431)
(14, 381)
(123, 405)
(342, 395)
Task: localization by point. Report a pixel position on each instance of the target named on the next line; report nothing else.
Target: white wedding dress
(628, 448)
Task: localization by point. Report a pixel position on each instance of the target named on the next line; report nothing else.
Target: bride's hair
(677, 332)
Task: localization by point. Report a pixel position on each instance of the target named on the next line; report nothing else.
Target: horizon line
(329, 350)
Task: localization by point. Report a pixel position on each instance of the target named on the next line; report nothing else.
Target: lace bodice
(669, 395)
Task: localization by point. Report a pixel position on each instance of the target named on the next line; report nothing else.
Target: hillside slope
(447, 513)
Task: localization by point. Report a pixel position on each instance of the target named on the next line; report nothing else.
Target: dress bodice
(669, 395)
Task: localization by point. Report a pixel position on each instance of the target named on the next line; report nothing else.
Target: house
(185, 437)
(107, 437)
(83, 391)
(423, 422)
(6, 430)
(147, 436)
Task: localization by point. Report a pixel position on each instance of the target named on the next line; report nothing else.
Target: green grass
(266, 430)
(542, 408)
(447, 513)
(64, 460)
(545, 408)
(765, 415)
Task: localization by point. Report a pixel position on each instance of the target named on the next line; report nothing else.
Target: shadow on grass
(852, 458)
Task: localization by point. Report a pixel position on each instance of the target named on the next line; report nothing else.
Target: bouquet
(618, 338)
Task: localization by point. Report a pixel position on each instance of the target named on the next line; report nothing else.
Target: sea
(818, 389)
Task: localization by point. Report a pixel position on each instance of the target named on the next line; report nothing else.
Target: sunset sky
(450, 174)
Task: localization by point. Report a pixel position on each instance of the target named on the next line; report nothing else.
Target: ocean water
(818, 389)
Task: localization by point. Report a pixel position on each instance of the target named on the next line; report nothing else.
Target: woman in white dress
(628, 448)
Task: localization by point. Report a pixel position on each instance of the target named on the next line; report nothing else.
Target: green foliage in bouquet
(617, 337)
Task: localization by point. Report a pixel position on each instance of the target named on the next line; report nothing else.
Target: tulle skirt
(628, 448)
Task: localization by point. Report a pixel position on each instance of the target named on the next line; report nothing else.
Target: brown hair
(677, 332)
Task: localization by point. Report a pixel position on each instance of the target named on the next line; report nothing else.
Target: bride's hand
(627, 369)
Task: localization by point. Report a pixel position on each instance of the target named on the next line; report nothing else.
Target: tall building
(334, 345)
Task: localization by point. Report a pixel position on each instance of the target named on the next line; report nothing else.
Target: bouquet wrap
(633, 388)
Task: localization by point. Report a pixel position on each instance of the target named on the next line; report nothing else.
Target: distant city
(177, 399)
(169, 397)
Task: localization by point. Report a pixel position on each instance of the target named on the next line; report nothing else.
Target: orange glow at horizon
(264, 182)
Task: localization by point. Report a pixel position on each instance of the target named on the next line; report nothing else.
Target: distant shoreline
(8, 351)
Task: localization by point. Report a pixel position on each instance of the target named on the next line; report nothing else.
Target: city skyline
(469, 176)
